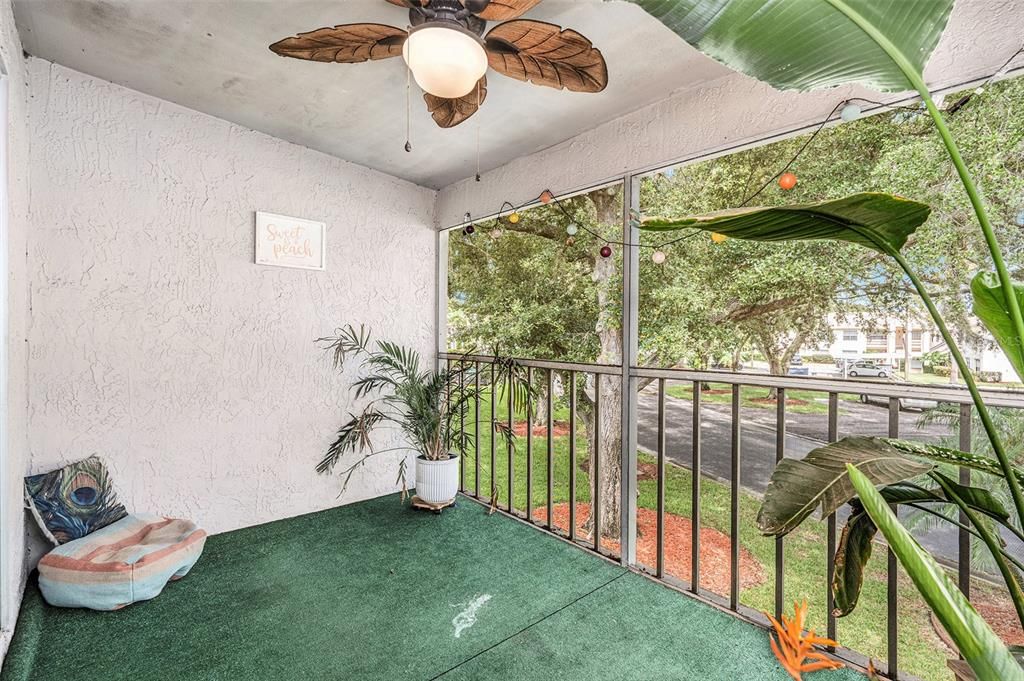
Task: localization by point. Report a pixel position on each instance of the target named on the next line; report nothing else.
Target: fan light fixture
(446, 60)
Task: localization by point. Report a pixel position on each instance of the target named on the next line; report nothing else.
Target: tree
(537, 292)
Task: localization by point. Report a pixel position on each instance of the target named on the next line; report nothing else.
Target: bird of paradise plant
(884, 44)
(795, 649)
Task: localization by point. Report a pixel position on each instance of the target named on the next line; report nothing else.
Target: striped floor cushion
(130, 560)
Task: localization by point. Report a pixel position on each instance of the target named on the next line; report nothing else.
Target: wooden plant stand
(436, 508)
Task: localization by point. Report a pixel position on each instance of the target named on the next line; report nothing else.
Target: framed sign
(290, 242)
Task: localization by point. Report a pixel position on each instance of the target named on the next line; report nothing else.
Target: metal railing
(658, 380)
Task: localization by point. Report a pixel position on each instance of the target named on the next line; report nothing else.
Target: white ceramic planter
(437, 482)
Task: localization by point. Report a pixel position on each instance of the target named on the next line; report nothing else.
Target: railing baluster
(661, 477)
(595, 503)
(551, 448)
(695, 493)
(572, 455)
(462, 428)
(476, 430)
(511, 445)
(830, 548)
(780, 549)
(892, 572)
(494, 419)
(964, 538)
(448, 400)
(529, 450)
(734, 501)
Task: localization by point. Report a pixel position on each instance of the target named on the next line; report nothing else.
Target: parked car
(795, 370)
(865, 368)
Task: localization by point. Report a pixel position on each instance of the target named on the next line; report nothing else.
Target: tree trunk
(609, 445)
(540, 408)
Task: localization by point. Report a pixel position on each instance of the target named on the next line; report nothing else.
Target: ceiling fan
(448, 52)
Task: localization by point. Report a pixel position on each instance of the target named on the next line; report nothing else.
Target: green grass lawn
(920, 651)
(814, 402)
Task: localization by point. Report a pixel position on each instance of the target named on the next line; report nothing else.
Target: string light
(848, 110)
(787, 181)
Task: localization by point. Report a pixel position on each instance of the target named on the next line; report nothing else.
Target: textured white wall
(14, 432)
(158, 344)
(726, 112)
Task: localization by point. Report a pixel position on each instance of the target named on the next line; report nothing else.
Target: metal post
(529, 449)
(511, 446)
(494, 418)
(661, 478)
(734, 501)
(695, 493)
(964, 538)
(892, 573)
(595, 502)
(830, 548)
(462, 428)
(572, 455)
(551, 448)
(630, 319)
(780, 454)
(476, 429)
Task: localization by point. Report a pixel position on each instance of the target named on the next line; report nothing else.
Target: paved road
(804, 432)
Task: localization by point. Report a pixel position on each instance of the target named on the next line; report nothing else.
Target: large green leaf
(871, 219)
(809, 44)
(976, 462)
(854, 548)
(990, 308)
(979, 645)
(799, 486)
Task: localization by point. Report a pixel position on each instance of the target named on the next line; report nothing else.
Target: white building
(885, 343)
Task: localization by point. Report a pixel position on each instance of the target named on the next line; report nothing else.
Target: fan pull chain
(408, 105)
(478, 132)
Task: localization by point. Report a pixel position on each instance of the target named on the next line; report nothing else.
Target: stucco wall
(14, 431)
(712, 117)
(158, 344)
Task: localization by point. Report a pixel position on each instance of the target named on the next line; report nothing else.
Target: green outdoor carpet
(375, 590)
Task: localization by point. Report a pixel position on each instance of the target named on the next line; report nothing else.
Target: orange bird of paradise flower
(794, 650)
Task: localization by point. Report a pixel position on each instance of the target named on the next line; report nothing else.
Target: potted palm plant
(433, 410)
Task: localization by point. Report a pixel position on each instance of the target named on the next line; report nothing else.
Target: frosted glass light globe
(445, 61)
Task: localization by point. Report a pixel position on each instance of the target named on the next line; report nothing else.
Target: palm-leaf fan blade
(505, 10)
(809, 44)
(545, 54)
(448, 113)
(344, 44)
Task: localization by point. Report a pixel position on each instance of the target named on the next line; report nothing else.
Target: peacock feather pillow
(73, 501)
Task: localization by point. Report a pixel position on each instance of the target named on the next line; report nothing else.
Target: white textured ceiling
(212, 56)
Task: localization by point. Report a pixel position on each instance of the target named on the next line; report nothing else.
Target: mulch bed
(558, 429)
(714, 547)
(790, 402)
(998, 611)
